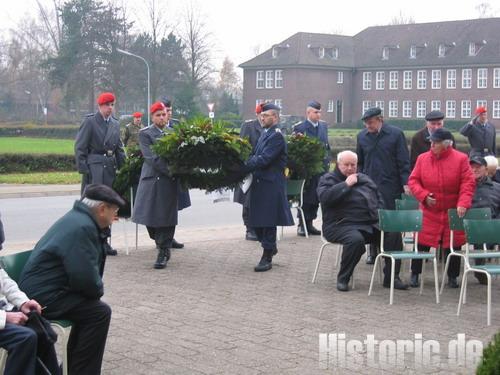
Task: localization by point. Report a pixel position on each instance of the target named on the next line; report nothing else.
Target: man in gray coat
(157, 194)
(481, 134)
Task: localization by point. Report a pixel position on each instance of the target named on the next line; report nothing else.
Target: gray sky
(240, 28)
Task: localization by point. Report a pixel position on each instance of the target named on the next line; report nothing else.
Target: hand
(461, 211)
(407, 190)
(351, 179)
(30, 305)
(16, 318)
(430, 200)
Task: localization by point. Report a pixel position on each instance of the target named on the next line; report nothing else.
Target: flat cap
(478, 160)
(440, 135)
(314, 104)
(270, 106)
(104, 193)
(434, 116)
(371, 112)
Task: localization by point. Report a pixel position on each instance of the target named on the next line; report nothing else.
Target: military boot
(311, 230)
(300, 229)
(266, 262)
(162, 259)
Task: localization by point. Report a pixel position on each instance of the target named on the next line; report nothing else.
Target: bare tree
(485, 10)
(229, 80)
(401, 19)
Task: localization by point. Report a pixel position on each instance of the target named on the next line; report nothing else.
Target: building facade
(407, 70)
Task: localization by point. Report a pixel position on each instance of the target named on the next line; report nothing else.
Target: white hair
(447, 143)
(91, 203)
(341, 154)
(491, 161)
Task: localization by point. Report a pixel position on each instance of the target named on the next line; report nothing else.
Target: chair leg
(488, 300)
(3, 360)
(64, 334)
(337, 256)
(373, 273)
(136, 236)
(422, 277)
(393, 265)
(465, 291)
(436, 281)
(318, 261)
(447, 264)
(462, 292)
(303, 221)
(125, 236)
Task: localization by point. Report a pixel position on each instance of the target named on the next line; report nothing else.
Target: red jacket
(450, 178)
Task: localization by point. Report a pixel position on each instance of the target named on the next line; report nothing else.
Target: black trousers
(310, 211)
(87, 340)
(162, 236)
(453, 268)
(266, 237)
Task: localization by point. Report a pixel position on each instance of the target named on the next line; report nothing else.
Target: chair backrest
(13, 264)
(480, 232)
(407, 204)
(294, 188)
(457, 223)
(408, 197)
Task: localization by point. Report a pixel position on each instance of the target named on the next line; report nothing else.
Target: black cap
(372, 112)
(99, 192)
(478, 160)
(270, 106)
(440, 135)
(314, 104)
(434, 116)
(166, 101)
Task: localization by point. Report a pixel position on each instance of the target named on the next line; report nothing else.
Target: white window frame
(435, 105)
(466, 109)
(367, 104)
(393, 80)
(407, 80)
(335, 53)
(413, 52)
(451, 109)
(269, 79)
(380, 81)
(274, 52)
(385, 53)
(393, 108)
(278, 79)
(421, 108)
(481, 103)
(496, 78)
(367, 81)
(340, 77)
(260, 78)
(331, 106)
(279, 103)
(467, 78)
(451, 79)
(436, 79)
(321, 52)
(482, 78)
(441, 50)
(472, 49)
(380, 104)
(421, 79)
(407, 109)
(496, 109)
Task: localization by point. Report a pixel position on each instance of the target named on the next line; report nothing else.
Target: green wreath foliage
(305, 156)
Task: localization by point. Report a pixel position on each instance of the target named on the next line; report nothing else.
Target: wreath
(306, 156)
(128, 177)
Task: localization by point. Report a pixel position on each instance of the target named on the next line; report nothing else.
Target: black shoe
(414, 280)
(250, 235)
(342, 287)
(311, 230)
(162, 259)
(177, 245)
(398, 284)
(300, 231)
(264, 265)
(111, 251)
(452, 282)
(370, 259)
(275, 251)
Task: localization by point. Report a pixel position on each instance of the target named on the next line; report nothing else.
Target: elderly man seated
(492, 167)
(349, 203)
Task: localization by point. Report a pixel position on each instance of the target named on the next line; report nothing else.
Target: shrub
(25, 163)
(490, 363)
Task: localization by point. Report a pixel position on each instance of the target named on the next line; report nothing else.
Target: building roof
(364, 50)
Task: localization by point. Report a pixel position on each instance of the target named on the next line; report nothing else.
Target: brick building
(407, 70)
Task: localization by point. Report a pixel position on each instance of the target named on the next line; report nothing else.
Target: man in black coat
(250, 130)
(313, 127)
(349, 204)
(481, 134)
(383, 155)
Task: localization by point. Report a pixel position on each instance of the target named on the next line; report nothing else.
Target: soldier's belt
(108, 153)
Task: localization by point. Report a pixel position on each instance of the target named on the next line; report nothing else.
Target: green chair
(408, 197)
(406, 204)
(480, 232)
(13, 265)
(295, 195)
(457, 223)
(402, 221)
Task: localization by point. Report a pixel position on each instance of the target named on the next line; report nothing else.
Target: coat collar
(82, 207)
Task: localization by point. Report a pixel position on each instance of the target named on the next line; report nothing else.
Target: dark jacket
(487, 194)
(482, 138)
(67, 264)
(421, 143)
(2, 235)
(355, 206)
(384, 157)
(268, 206)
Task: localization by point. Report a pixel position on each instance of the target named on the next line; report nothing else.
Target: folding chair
(295, 195)
(457, 223)
(480, 232)
(402, 221)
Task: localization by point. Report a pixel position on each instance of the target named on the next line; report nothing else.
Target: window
(274, 52)
(406, 108)
(367, 80)
(482, 78)
(436, 79)
(260, 79)
(407, 80)
(334, 53)
(496, 78)
(481, 103)
(393, 108)
(441, 50)
(279, 103)
(472, 49)
(258, 101)
(340, 112)
(451, 108)
(269, 79)
(496, 108)
(385, 53)
(380, 80)
(366, 105)
(466, 109)
(466, 78)
(278, 79)
(380, 104)
(330, 106)
(421, 79)
(340, 77)
(393, 80)
(436, 105)
(451, 79)
(421, 108)
(413, 52)
(321, 52)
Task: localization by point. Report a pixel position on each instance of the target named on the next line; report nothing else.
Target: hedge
(59, 132)
(404, 124)
(25, 163)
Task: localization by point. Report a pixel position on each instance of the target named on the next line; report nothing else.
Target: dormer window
(472, 49)
(321, 52)
(413, 52)
(275, 52)
(335, 53)
(385, 53)
(441, 50)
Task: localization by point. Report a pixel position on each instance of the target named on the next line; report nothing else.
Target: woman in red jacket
(442, 179)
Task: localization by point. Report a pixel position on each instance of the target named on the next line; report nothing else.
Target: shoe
(162, 259)
(300, 231)
(275, 251)
(264, 265)
(414, 280)
(452, 282)
(250, 235)
(370, 259)
(342, 287)
(111, 251)
(177, 245)
(398, 284)
(311, 230)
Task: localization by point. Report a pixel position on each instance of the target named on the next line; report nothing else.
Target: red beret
(105, 97)
(258, 108)
(158, 106)
(137, 114)
(481, 110)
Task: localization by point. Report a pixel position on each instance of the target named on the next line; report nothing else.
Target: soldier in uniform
(421, 141)
(131, 134)
(481, 134)
(98, 147)
(157, 194)
(313, 127)
(251, 130)
(268, 205)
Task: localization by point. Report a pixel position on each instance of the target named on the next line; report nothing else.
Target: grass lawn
(63, 178)
(18, 145)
